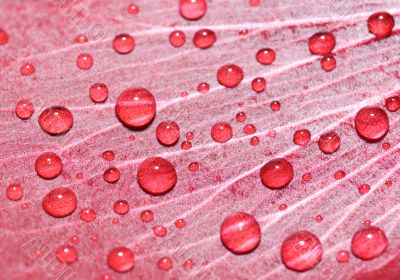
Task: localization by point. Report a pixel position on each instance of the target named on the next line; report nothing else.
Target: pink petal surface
(42, 33)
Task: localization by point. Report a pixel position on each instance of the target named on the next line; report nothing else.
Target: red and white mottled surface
(43, 33)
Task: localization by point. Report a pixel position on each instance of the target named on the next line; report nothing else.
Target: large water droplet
(322, 43)
(121, 259)
(230, 76)
(56, 120)
(372, 123)
(48, 165)
(240, 233)
(60, 202)
(381, 24)
(221, 132)
(135, 107)
(301, 251)
(156, 176)
(369, 243)
(276, 173)
(192, 9)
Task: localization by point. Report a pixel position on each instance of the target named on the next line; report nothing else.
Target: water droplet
(340, 174)
(258, 84)
(177, 38)
(249, 129)
(190, 136)
(133, 9)
(56, 120)
(203, 87)
(230, 76)
(168, 133)
(192, 9)
(392, 103)
(240, 233)
(66, 254)
(194, 166)
(369, 243)
(98, 92)
(159, 231)
(188, 264)
(329, 142)
(204, 38)
(108, 155)
(241, 116)
(147, 216)
(87, 215)
(221, 132)
(121, 259)
(135, 107)
(112, 175)
(3, 37)
(254, 3)
(265, 56)
(306, 177)
(14, 192)
(322, 43)
(275, 106)
(254, 141)
(27, 69)
(381, 24)
(81, 39)
(342, 256)
(48, 165)
(75, 239)
(372, 123)
(302, 137)
(386, 146)
(319, 218)
(180, 223)
(301, 251)
(84, 61)
(282, 207)
(328, 63)
(121, 207)
(123, 43)
(367, 223)
(276, 173)
(156, 176)
(60, 202)
(186, 145)
(24, 109)
(165, 263)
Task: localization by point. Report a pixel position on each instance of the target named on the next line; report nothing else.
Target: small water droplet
(192, 9)
(87, 215)
(186, 145)
(168, 133)
(60, 202)
(392, 103)
(254, 3)
(177, 38)
(121, 259)
(329, 142)
(275, 106)
(180, 223)
(81, 39)
(386, 146)
(188, 264)
(230, 75)
(322, 43)
(190, 136)
(108, 155)
(328, 63)
(56, 120)
(75, 239)
(84, 61)
(240, 233)
(221, 132)
(241, 116)
(258, 84)
(372, 123)
(249, 129)
(306, 177)
(255, 140)
(123, 43)
(3, 37)
(135, 107)
(165, 263)
(301, 251)
(111, 175)
(66, 254)
(381, 24)
(369, 243)
(265, 56)
(302, 137)
(340, 174)
(194, 166)
(204, 38)
(203, 87)
(282, 207)
(147, 216)
(159, 231)
(48, 165)
(98, 92)
(24, 109)
(276, 173)
(343, 256)
(121, 207)
(14, 192)
(27, 69)
(319, 218)
(156, 176)
(133, 9)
